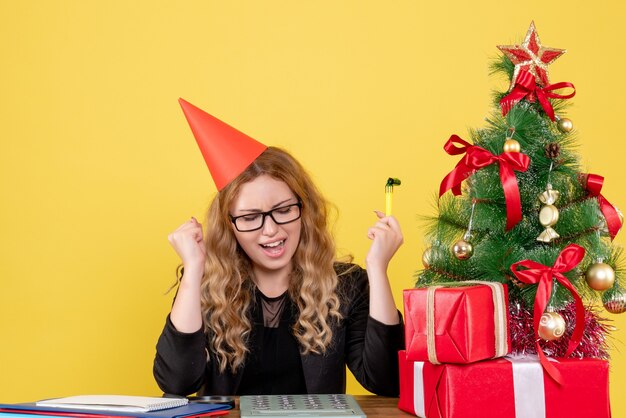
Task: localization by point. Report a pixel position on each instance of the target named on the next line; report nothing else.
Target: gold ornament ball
(600, 276)
(551, 326)
(426, 257)
(463, 249)
(615, 302)
(511, 145)
(565, 125)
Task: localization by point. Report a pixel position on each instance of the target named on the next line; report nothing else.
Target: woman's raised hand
(188, 243)
(387, 238)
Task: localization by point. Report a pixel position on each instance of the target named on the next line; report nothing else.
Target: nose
(269, 226)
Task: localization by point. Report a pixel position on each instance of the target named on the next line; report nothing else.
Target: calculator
(282, 406)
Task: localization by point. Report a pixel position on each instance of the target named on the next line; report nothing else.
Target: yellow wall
(97, 163)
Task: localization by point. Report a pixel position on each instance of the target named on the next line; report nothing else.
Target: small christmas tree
(522, 213)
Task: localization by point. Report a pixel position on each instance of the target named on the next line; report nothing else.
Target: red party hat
(227, 151)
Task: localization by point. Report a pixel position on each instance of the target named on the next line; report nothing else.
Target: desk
(373, 406)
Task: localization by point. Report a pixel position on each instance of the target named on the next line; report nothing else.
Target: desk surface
(373, 406)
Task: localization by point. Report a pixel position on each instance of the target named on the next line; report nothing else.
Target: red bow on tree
(526, 86)
(593, 183)
(542, 276)
(477, 157)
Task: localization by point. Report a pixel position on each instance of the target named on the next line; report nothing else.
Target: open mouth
(274, 249)
(276, 244)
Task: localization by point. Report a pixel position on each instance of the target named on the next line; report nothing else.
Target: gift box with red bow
(504, 388)
(460, 324)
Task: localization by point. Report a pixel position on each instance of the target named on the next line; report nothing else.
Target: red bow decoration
(477, 157)
(526, 86)
(542, 276)
(593, 183)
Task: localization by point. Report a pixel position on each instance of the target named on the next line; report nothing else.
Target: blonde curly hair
(226, 290)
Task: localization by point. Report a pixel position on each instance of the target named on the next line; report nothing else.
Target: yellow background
(97, 163)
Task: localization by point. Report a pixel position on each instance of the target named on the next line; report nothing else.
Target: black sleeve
(371, 346)
(181, 360)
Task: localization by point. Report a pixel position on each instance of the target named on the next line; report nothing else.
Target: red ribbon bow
(593, 184)
(526, 86)
(542, 276)
(477, 157)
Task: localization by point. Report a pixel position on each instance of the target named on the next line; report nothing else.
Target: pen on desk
(389, 193)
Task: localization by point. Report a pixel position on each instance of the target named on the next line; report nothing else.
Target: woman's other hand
(188, 243)
(387, 238)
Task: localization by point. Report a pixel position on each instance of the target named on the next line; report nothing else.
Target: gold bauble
(426, 257)
(511, 145)
(615, 302)
(548, 215)
(463, 249)
(600, 276)
(551, 326)
(565, 125)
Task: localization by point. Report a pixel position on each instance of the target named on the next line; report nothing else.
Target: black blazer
(183, 365)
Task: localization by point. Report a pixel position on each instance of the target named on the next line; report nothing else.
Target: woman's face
(272, 246)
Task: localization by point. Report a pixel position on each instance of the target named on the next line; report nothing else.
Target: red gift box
(504, 388)
(457, 324)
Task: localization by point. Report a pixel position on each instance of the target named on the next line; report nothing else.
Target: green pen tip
(391, 181)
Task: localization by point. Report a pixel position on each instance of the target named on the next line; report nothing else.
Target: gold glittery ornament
(600, 276)
(511, 145)
(531, 56)
(463, 249)
(549, 214)
(551, 326)
(565, 125)
(615, 302)
(426, 257)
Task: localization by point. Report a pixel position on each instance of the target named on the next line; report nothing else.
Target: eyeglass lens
(255, 221)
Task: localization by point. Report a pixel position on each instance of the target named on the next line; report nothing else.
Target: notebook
(114, 403)
(186, 411)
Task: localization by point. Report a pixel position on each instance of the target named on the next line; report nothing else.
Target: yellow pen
(389, 193)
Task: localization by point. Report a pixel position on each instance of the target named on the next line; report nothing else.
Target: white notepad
(115, 403)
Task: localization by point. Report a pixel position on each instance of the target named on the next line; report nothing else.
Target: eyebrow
(272, 208)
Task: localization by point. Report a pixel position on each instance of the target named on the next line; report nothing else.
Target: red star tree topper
(531, 56)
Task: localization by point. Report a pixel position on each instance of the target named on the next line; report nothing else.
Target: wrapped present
(461, 324)
(504, 388)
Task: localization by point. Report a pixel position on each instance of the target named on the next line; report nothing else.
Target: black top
(184, 364)
(273, 366)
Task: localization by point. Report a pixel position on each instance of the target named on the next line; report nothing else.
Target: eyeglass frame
(233, 219)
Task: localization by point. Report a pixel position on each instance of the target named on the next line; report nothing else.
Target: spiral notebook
(118, 403)
(30, 410)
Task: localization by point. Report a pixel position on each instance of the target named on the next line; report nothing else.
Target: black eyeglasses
(280, 216)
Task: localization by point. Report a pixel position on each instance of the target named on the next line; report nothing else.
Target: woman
(264, 308)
